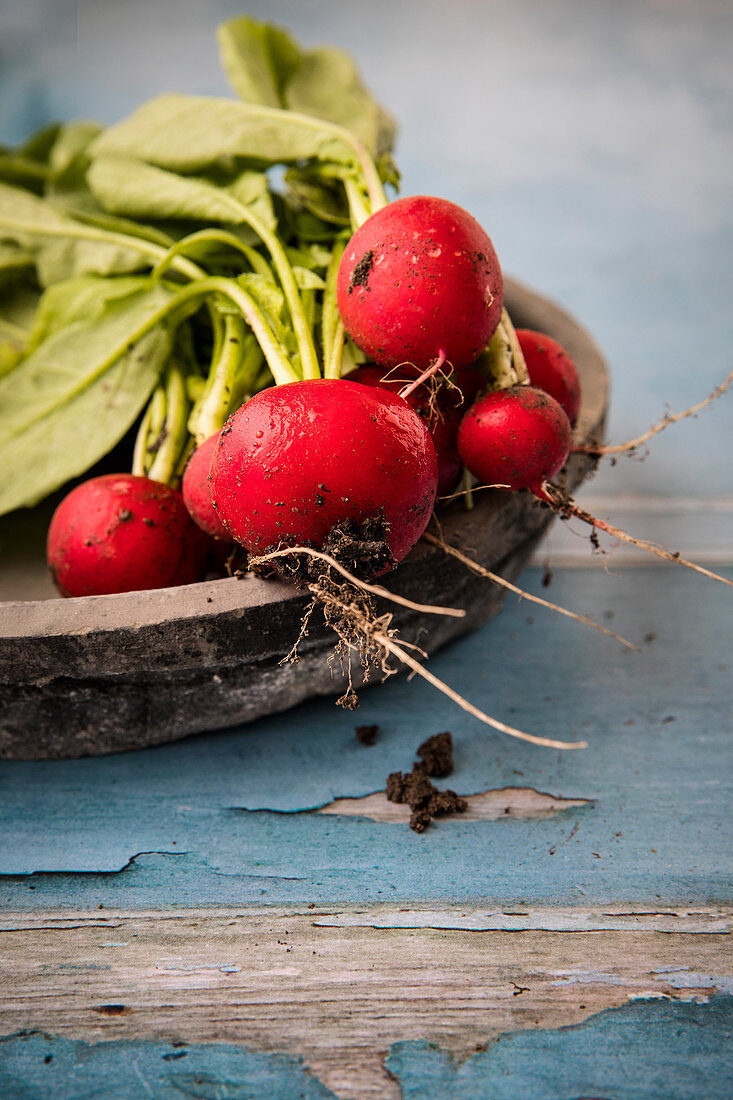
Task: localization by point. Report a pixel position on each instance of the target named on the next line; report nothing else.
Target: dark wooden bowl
(102, 674)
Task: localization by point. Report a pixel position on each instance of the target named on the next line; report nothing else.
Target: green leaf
(327, 85)
(75, 396)
(27, 165)
(131, 187)
(190, 134)
(15, 262)
(18, 306)
(266, 66)
(60, 246)
(307, 279)
(84, 298)
(69, 159)
(39, 145)
(318, 195)
(22, 171)
(258, 59)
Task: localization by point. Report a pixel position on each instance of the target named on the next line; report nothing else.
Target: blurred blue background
(592, 138)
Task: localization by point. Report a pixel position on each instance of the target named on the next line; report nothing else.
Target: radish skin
(123, 533)
(551, 369)
(517, 438)
(298, 459)
(418, 279)
(196, 493)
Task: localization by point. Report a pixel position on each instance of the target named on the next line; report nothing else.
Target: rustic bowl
(101, 674)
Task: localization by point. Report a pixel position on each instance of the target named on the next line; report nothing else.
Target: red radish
(418, 279)
(122, 533)
(300, 458)
(520, 438)
(551, 369)
(439, 407)
(196, 492)
(517, 437)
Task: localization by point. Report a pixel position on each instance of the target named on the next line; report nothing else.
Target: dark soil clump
(366, 735)
(417, 791)
(362, 549)
(362, 271)
(437, 755)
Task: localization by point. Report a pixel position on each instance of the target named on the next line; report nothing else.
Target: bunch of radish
(353, 465)
(419, 290)
(322, 365)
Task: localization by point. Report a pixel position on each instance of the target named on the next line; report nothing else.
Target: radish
(551, 369)
(515, 438)
(518, 439)
(300, 461)
(439, 406)
(418, 280)
(196, 492)
(123, 533)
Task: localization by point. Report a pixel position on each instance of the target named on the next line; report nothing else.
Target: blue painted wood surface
(646, 1050)
(224, 817)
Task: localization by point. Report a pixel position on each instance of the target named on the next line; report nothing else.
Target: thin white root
(375, 589)
(383, 639)
(670, 418)
(567, 507)
(476, 568)
(469, 492)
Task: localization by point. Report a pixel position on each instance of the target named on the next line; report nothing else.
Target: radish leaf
(75, 396)
(61, 246)
(187, 133)
(258, 59)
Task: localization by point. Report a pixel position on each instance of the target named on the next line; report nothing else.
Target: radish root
(373, 589)
(566, 507)
(600, 451)
(503, 583)
(348, 609)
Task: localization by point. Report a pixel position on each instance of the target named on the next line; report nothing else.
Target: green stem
(139, 457)
(219, 236)
(149, 431)
(174, 427)
(358, 208)
(301, 328)
(187, 301)
(272, 349)
(333, 366)
(330, 315)
(90, 233)
(214, 409)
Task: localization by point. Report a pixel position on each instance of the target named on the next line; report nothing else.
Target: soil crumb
(366, 735)
(437, 755)
(362, 548)
(417, 791)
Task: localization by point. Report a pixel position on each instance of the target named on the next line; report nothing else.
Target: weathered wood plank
(340, 988)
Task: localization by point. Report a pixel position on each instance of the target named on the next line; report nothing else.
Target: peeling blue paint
(34, 1066)
(646, 1050)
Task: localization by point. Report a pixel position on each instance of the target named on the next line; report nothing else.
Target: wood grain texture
(341, 995)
